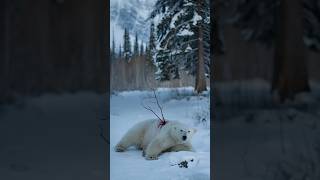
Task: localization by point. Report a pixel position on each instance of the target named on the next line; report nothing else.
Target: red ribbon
(162, 123)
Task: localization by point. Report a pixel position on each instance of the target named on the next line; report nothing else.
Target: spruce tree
(141, 49)
(120, 52)
(113, 50)
(127, 45)
(152, 42)
(267, 22)
(147, 53)
(136, 47)
(257, 21)
(183, 39)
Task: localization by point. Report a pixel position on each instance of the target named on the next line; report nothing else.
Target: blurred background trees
(274, 40)
(51, 46)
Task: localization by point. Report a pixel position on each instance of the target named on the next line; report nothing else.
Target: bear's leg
(181, 147)
(154, 149)
(120, 147)
(131, 138)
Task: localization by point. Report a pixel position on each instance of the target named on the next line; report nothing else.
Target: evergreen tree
(152, 43)
(113, 50)
(312, 21)
(147, 53)
(287, 26)
(136, 47)
(141, 49)
(127, 45)
(258, 21)
(183, 39)
(120, 52)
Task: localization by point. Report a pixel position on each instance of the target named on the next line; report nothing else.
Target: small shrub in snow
(184, 163)
(179, 94)
(202, 117)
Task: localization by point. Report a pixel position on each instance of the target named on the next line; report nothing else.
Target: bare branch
(155, 96)
(162, 121)
(149, 108)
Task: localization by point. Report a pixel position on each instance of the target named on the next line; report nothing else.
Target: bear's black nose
(184, 138)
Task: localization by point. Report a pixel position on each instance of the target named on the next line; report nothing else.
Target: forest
(266, 89)
(249, 40)
(51, 47)
(259, 58)
(176, 54)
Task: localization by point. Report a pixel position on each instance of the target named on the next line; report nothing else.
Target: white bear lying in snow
(154, 140)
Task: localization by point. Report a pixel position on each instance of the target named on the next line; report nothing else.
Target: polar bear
(154, 140)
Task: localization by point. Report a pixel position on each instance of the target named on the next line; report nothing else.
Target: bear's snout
(184, 138)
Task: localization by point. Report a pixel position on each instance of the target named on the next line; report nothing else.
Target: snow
(260, 139)
(196, 18)
(189, 48)
(178, 104)
(175, 18)
(185, 32)
(51, 137)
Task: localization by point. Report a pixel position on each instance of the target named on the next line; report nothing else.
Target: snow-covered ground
(51, 137)
(178, 104)
(256, 138)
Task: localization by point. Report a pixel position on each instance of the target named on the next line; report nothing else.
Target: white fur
(153, 140)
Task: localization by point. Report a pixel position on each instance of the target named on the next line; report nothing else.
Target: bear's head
(182, 134)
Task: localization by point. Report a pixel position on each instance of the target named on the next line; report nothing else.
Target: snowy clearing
(178, 104)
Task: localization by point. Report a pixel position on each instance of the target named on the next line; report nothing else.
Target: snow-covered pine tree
(126, 45)
(113, 50)
(148, 58)
(276, 22)
(152, 43)
(183, 39)
(136, 47)
(312, 24)
(256, 19)
(120, 52)
(141, 49)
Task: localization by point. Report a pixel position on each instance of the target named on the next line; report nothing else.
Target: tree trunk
(290, 75)
(200, 76)
(5, 49)
(217, 42)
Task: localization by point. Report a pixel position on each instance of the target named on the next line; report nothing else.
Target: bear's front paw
(143, 153)
(119, 148)
(151, 157)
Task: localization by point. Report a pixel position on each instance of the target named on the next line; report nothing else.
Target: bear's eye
(188, 131)
(181, 131)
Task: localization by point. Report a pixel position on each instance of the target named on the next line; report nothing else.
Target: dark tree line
(289, 27)
(51, 46)
(128, 52)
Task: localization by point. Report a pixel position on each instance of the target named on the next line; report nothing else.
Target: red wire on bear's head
(162, 123)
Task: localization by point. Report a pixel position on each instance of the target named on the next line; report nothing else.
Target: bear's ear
(175, 128)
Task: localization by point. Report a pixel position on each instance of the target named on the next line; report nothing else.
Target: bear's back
(151, 131)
